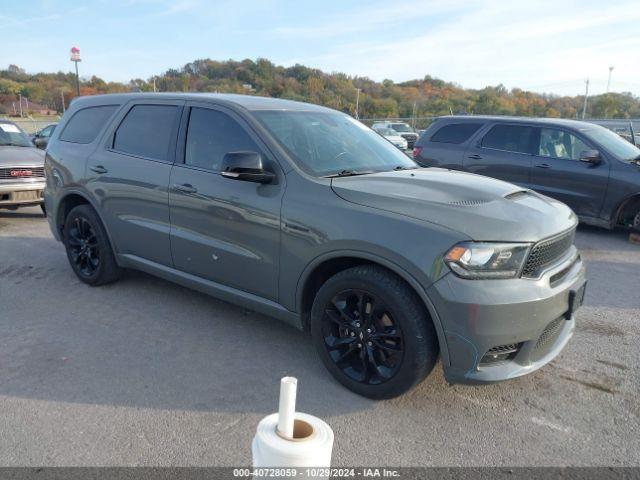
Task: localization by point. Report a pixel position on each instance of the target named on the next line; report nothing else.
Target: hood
(394, 138)
(483, 208)
(19, 156)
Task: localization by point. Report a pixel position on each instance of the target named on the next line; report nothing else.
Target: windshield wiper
(349, 173)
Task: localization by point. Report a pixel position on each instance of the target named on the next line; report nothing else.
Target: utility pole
(154, 85)
(20, 98)
(609, 80)
(586, 94)
(75, 58)
(413, 115)
(357, 103)
(62, 100)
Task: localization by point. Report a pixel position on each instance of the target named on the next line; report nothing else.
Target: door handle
(185, 188)
(98, 169)
(543, 165)
(475, 156)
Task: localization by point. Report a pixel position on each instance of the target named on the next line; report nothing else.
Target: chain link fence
(33, 124)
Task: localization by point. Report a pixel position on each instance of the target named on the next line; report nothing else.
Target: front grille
(36, 172)
(546, 252)
(409, 136)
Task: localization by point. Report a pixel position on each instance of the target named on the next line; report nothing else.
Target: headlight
(487, 260)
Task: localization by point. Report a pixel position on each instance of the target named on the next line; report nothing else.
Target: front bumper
(532, 315)
(21, 193)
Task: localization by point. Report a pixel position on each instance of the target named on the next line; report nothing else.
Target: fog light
(500, 353)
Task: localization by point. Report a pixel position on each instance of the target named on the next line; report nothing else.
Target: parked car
(586, 166)
(394, 137)
(302, 213)
(21, 168)
(41, 138)
(402, 128)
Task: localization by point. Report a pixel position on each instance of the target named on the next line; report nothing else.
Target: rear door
(224, 230)
(129, 177)
(503, 151)
(558, 172)
(445, 147)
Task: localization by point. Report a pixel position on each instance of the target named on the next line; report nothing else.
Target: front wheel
(372, 332)
(88, 248)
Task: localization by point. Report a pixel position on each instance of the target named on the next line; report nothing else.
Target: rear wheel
(88, 248)
(372, 332)
(636, 222)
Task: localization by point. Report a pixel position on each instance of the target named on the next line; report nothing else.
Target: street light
(609, 80)
(75, 58)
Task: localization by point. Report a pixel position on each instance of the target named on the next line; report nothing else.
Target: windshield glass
(615, 144)
(327, 143)
(11, 134)
(387, 132)
(401, 127)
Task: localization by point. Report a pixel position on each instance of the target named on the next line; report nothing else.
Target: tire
(372, 332)
(88, 248)
(635, 225)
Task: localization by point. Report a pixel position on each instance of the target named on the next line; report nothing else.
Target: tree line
(425, 97)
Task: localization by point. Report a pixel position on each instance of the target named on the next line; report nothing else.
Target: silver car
(21, 168)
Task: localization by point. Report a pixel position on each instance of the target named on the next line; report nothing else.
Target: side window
(146, 131)
(46, 132)
(455, 133)
(211, 135)
(85, 124)
(556, 143)
(510, 138)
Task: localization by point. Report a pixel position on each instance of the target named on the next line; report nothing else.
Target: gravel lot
(144, 372)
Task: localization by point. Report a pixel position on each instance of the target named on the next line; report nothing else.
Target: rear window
(85, 124)
(146, 131)
(511, 138)
(455, 133)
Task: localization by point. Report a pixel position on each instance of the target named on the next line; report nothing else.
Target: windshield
(613, 142)
(11, 134)
(401, 127)
(328, 143)
(387, 132)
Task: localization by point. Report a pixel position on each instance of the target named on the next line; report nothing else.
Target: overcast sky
(550, 46)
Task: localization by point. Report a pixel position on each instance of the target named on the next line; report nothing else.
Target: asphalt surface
(144, 372)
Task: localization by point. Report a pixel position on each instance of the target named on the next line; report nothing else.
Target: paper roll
(311, 445)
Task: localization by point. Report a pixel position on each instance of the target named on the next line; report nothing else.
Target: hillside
(429, 96)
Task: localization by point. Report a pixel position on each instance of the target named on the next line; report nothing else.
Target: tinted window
(560, 144)
(146, 131)
(455, 133)
(85, 124)
(511, 138)
(211, 135)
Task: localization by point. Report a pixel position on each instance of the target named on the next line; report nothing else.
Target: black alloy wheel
(83, 247)
(362, 337)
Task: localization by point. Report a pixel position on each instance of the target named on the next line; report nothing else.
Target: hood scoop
(517, 195)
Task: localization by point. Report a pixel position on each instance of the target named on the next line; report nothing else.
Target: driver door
(558, 172)
(224, 230)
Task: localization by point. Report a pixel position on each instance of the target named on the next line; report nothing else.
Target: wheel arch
(325, 266)
(70, 200)
(629, 205)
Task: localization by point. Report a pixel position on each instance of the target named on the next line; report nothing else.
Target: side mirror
(591, 156)
(247, 166)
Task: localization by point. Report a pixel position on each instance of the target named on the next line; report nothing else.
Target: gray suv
(590, 168)
(304, 214)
